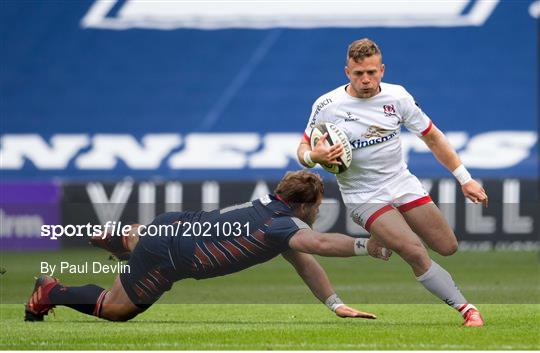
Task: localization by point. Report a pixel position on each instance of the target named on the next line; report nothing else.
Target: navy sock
(86, 299)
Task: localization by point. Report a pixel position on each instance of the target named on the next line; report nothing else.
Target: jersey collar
(281, 199)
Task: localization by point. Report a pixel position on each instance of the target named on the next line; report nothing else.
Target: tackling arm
(316, 279)
(447, 156)
(311, 272)
(335, 245)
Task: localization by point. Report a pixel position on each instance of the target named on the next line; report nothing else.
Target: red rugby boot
(473, 318)
(39, 304)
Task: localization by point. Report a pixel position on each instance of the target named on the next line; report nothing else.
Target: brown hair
(300, 187)
(361, 49)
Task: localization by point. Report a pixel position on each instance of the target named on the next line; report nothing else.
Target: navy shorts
(151, 271)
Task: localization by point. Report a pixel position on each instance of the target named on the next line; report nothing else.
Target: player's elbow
(437, 142)
(432, 142)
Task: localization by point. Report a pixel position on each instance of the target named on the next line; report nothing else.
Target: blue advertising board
(175, 90)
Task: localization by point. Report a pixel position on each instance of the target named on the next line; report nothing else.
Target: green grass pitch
(268, 308)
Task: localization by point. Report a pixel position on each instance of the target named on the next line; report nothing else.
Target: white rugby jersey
(373, 126)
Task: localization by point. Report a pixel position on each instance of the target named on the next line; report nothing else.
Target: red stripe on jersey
(151, 285)
(244, 251)
(218, 254)
(255, 242)
(259, 235)
(204, 260)
(376, 215)
(249, 246)
(410, 205)
(306, 137)
(233, 250)
(159, 277)
(197, 264)
(141, 293)
(147, 290)
(154, 278)
(211, 256)
(225, 251)
(428, 128)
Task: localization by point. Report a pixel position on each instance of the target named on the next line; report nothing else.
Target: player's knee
(448, 249)
(124, 317)
(414, 253)
(114, 311)
(117, 313)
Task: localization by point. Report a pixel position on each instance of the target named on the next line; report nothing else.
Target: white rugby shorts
(402, 193)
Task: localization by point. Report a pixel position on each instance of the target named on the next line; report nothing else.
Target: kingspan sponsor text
(361, 144)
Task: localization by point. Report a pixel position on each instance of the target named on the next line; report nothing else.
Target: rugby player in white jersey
(378, 189)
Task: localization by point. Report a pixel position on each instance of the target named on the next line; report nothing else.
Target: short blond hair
(361, 49)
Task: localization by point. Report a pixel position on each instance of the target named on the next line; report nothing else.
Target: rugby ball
(335, 135)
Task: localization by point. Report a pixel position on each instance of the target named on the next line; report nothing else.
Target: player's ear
(347, 72)
(382, 70)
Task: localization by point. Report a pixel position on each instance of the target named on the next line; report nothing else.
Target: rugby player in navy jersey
(236, 238)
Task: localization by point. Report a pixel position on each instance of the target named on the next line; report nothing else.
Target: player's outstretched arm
(316, 279)
(447, 156)
(336, 245)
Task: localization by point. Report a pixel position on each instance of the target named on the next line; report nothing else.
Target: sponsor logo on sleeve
(318, 109)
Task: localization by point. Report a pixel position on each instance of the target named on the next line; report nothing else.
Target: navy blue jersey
(219, 242)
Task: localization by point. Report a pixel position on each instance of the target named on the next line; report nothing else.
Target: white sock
(439, 282)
